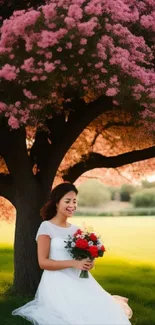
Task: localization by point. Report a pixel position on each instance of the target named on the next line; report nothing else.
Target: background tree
(62, 66)
(93, 193)
(144, 198)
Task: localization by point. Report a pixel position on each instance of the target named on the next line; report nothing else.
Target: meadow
(127, 268)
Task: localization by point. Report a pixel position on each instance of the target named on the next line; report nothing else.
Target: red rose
(93, 237)
(81, 243)
(78, 232)
(102, 248)
(93, 251)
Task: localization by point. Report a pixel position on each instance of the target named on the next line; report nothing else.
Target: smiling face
(67, 205)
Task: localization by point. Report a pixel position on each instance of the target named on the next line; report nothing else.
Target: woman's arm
(43, 256)
(48, 264)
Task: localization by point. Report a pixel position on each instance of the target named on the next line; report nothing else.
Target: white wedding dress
(62, 298)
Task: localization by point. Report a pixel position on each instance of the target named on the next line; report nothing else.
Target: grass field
(127, 268)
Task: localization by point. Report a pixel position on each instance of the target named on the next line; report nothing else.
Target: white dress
(62, 298)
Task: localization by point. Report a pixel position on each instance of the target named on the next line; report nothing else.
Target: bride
(62, 297)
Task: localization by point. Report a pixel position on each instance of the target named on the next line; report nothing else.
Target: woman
(62, 297)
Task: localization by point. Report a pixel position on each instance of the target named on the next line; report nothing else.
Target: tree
(63, 65)
(93, 193)
(144, 198)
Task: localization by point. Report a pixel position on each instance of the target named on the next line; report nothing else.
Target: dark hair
(49, 210)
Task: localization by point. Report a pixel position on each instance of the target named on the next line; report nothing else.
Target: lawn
(127, 268)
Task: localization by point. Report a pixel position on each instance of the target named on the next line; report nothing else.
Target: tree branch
(13, 150)
(108, 126)
(63, 134)
(40, 150)
(96, 160)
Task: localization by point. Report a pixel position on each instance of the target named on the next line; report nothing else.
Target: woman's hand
(84, 264)
(92, 264)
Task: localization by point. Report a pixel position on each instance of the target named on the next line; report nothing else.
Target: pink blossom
(18, 104)
(14, 110)
(72, 37)
(13, 122)
(54, 94)
(68, 100)
(35, 78)
(81, 51)
(24, 118)
(49, 11)
(84, 81)
(112, 92)
(148, 21)
(28, 65)
(101, 85)
(78, 2)
(2, 106)
(80, 70)
(68, 45)
(40, 63)
(99, 65)
(59, 49)
(115, 102)
(8, 72)
(38, 71)
(83, 41)
(103, 31)
(57, 62)
(63, 68)
(29, 94)
(113, 79)
(75, 12)
(48, 55)
(103, 70)
(43, 78)
(88, 28)
(94, 8)
(50, 38)
(11, 56)
(49, 67)
(70, 22)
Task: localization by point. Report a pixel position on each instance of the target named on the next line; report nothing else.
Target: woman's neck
(59, 221)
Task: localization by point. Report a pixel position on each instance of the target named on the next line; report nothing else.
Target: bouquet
(83, 244)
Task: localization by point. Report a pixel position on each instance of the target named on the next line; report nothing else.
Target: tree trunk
(27, 272)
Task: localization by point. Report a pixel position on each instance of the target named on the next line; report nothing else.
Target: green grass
(116, 276)
(127, 268)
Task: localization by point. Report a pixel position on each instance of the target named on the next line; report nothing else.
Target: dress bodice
(58, 236)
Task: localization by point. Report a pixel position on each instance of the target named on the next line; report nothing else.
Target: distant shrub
(122, 213)
(147, 184)
(137, 212)
(115, 192)
(144, 198)
(93, 193)
(126, 192)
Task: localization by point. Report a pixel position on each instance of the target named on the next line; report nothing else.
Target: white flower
(82, 236)
(79, 236)
(73, 244)
(90, 243)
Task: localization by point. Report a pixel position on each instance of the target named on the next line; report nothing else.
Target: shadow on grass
(136, 282)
